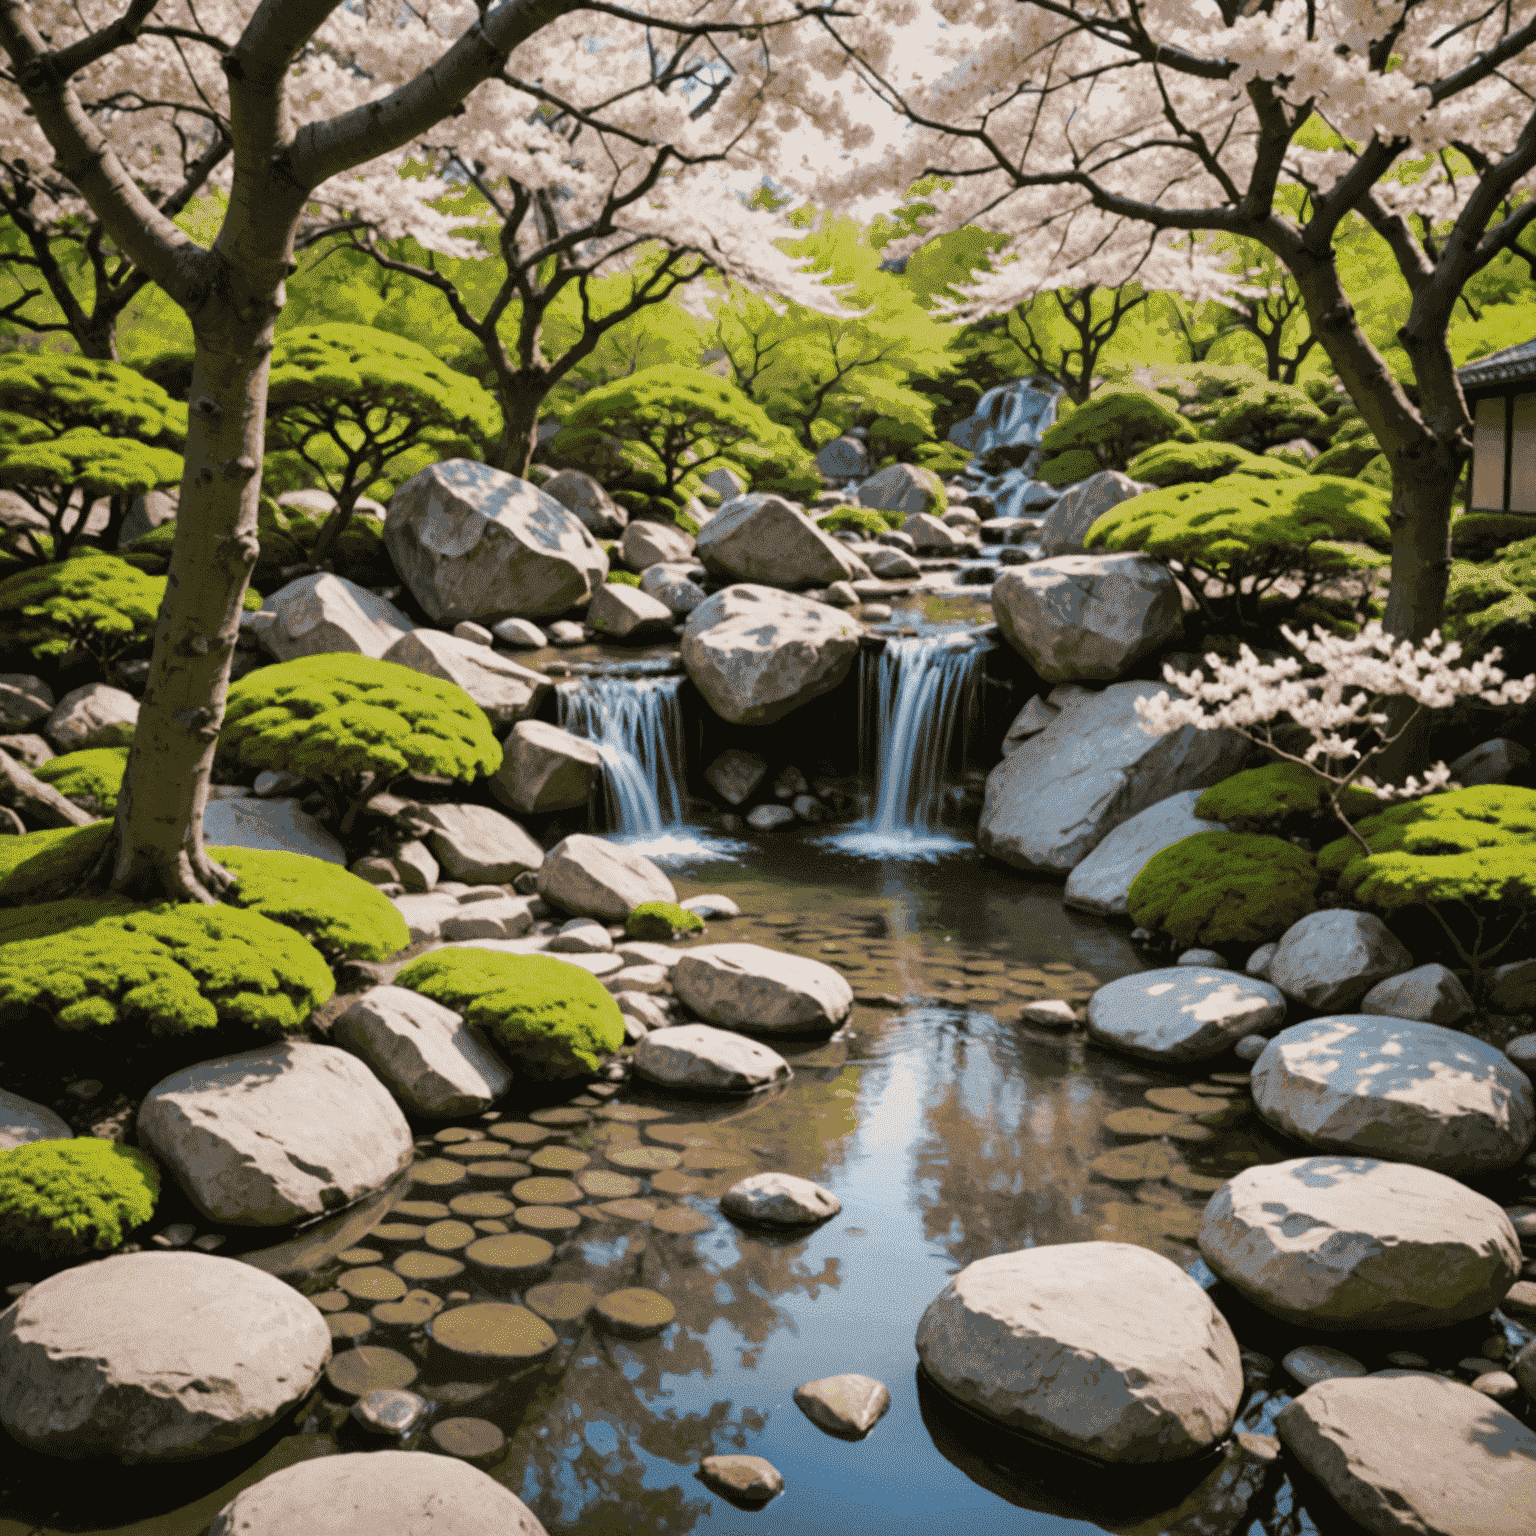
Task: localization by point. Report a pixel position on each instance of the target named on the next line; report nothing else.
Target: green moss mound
(91, 778)
(623, 578)
(1201, 389)
(288, 535)
(1114, 423)
(1276, 796)
(1494, 604)
(1069, 467)
(330, 906)
(1265, 414)
(1183, 463)
(551, 1020)
(858, 520)
(1378, 473)
(92, 605)
(1481, 535)
(659, 921)
(62, 1200)
(1224, 888)
(40, 866)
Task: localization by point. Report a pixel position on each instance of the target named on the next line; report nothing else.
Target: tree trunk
(521, 394)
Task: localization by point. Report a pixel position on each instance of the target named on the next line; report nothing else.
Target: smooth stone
(1520, 1302)
(753, 1479)
(1499, 1385)
(1313, 1363)
(1331, 959)
(591, 877)
(93, 716)
(1490, 762)
(369, 1283)
(320, 613)
(586, 499)
(1433, 994)
(544, 768)
(280, 825)
(1257, 964)
(414, 1310)
(370, 1368)
(1522, 1052)
(419, 1267)
(497, 917)
(769, 818)
(22, 1121)
(477, 1441)
(680, 1220)
(761, 991)
(1250, 1047)
(780, 1200)
(635, 1312)
(1102, 881)
(1182, 1013)
(1051, 1012)
(546, 1191)
(604, 1184)
(844, 1405)
(515, 1256)
(387, 1411)
(491, 1335)
(349, 1327)
(505, 690)
(520, 634)
(699, 1057)
(478, 844)
(550, 1221)
(734, 774)
(1512, 987)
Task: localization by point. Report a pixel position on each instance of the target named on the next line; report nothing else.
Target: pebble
(448, 1236)
(1130, 1165)
(1476, 1365)
(680, 1221)
(368, 1368)
(844, 1405)
(359, 1256)
(560, 1115)
(558, 1160)
(389, 1411)
(753, 1479)
(642, 1158)
(210, 1242)
(1203, 957)
(401, 1233)
(1313, 1363)
(476, 1441)
(600, 1184)
(635, 1312)
(331, 1301)
(452, 1133)
(1499, 1385)
(546, 1191)
(1051, 1012)
(522, 1133)
(421, 1210)
(483, 1203)
(1523, 1219)
(496, 1173)
(177, 1235)
(557, 1219)
(1250, 1047)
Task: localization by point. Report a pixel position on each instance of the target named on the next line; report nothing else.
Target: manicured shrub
(1494, 604)
(859, 520)
(288, 538)
(1378, 473)
(1069, 467)
(336, 911)
(551, 1020)
(1184, 463)
(58, 391)
(1481, 535)
(1264, 414)
(1279, 797)
(62, 1200)
(1224, 888)
(352, 725)
(91, 778)
(1114, 423)
(659, 921)
(1351, 446)
(93, 605)
(1202, 390)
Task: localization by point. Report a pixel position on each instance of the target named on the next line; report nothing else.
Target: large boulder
(279, 825)
(647, 544)
(321, 613)
(1331, 959)
(907, 488)
(1396, 1089)
(756, 654)
(545, 769)
(930, 536)
(591, 877)
(628, 614)
(1088, 616)
(424, 1053)
(22, 1121)
(93, 716)
(478, 845)
(474, 543)
(704, 1059)
(156, 1357)
(1105, 1349)
(1052, 802)
(1183, 1013)
(271, 1136)
(767, 539)
(761, 991)
(1345, 1243)
(506, 691)
(369, 1493)
(1102, 882)
(1406, 1452)
(588, 502)
(1067, 523)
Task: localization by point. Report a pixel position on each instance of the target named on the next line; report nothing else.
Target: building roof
(1508, 366)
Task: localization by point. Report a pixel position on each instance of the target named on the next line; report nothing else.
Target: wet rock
(646, 544)
(1068, 521)
(506, 691)
(1106, 1349)
(320, 613)
(389, 1413)
(698, 1057)
(627, 614)
(1406, 1451)
(766, 539)
(1102, 881)
(849, 1406)
(1182, 1013)
(591, 877)
(282, 825)
(493, 1336)
(588, 502)
(1433, 994)
(735, 774)
(270, 1136)
(545, 769)
(479, 845)
(474, 543)
(1052, 801)
(752, 1479)
(115, 1358)
(477, 1441)
(367, 1493)
(1331, 959)
(675, 586)
(779, 1200)
(93, 716)
(634, 1312)
(1257, 964)
(1415, 1093)
(1490, 762)
(520, 634)
(761, 991)
(769, 818)
(1052, 1012)
(1313, 1363)
(22, 1121)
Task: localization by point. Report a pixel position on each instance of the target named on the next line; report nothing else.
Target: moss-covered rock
(1279, 797)
(1377, 473)
(62, 1200)
(42, 866)
(1264, 414)
(859, 520)
(620, 578)
(659, 921)
(550, 1019)
(1114, 423)
(91, 779)
(1186, 463)
(1224, 888)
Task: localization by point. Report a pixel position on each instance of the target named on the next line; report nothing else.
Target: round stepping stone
(1130, 1165)
(1184, 1101)
(682, 1135)
(513, 1257)
(414, 1310)
(448, 1236)
(629, 1210)
(372, 1284)
(848, 1406)
(547, 1218)
(586, 1100)
(617, 1135)
(496, 1172)
(681, 1221)
(651, 1159)
(1199, 1183)
(332, 1301)
(452, 1133)
(420, 1210)
(522, 1133)
(483, 1203)
(369, 1368)
(436, 1173)
(560, 1301)
(547, 1191)
(461, 1393)
(416, 1265)
(558, 1160)
(1236, 1079)
(399, 1233)
(713, 1158)
(359, 1255)
(671, 1182)
(1215, 1090)
(1140, 1121)
(491, 1335)
(389, 1413)
(632, 1114)
(491, 1225)
(752, 1479)
(560, 1116)
(470, 1151)
(476, 1441)
(635, 1312)
(349, 1327)
(600, 1184)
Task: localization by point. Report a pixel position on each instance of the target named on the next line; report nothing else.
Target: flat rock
(1068, 521)
(931, 536)
(765, 539)
(1312, 1363)
(588, 502)
(711, 906)
(320, 613)
(506, 691)
(752, 1479)
(1405, 1451)
(545, 769)
(647, 543)
(756, 654)
(22, 1121)
(502, 917)
(591, 877)
(1183, 1013)
(478, 844)
(1102, 882)
(474, 543)
(1397, 1089)
(759, 990)
(849, 1406)
(117, 1358)
(280, 824)
(699, 1057)
(1350, 1243)
(1331, 959)
(425, 914)
(425, 1054)
(270, 1136)
(779, 1200)
(93, 716)
(626, 614)
(1106, 1349)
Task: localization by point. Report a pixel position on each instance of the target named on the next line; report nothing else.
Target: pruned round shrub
(1267, 413)
(1276, 796)
(1114, 423)
(1201, 389)
(550, 1019)
(92, 605)
(1494, 604)
(1224, 888)
(91, 779)
(1377, 473)
(659, 921)
(336, 911)
(1482, 535)
(1069, 467)
(1184, 463)
(62, 1200)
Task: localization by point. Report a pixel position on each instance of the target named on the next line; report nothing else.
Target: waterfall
(637, 728)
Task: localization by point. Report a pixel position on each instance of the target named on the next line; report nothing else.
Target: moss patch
(91, 779)
(659, 921)
(1276, 797)
(63, 1200)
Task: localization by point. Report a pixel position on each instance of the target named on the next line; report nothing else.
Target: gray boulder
(545, 769)
(1331, 959)
(1102, 882)
(1050, 803)
(1396, 1089)
(626, 614)
(932, 536)
(520, 634)
(695, 1056)
(891, 564)
(425, 914)
(903, 488)
(779, 1200)
(1068, 522)
(1182, 1013)
(1490, 762)
(1433, 994)
(591, 877)
(93, 716)
(1105, 1349)
(766, 539)
(22, 1121)
(735, 774)
(761, 991)
(588, 502)
(146, 513)
(506, 691)
(474, 543)
(24, 700)
(1088, 616)
(156, 1357)
(756, 654)
(479, 845)
(844, 458)
(281, 825)
(321, 613)
(725, 482)
(675, 586)
(1346, 1243)
(274, 1135)
(647, 544)
(501, 917)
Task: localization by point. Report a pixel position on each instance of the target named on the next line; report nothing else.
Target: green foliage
(1494, 604)
(1114, 423)
(1481, 535)
(1265, 414)
(59, 391)
(1377, 472)
(41, 866)
(1278, 798)
(660, 921)
(861, 520)
(352, 725)
(1202, 390)
(1069, 467)
(551, 1020)
(288, 536)
(91, 778)
(1224, 888)
(93, 604)
(622, 578)
(1182, 463)
(62, 1200)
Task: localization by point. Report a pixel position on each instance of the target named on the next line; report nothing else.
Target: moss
(1224, 888)
(1181, 463)
(1069, 467)
(623, 579)
(1201, 389)
(40, 866)
(1347, 457)
(1481, 535)
(1276, 796)
(859, 520)
(91, 779)
(1495, 605)
(1264, 414)
(1377, 472)
(1113, 423)
(62, 1200)
(550, 1019)
(660, 921)
(288, 534)
(92, 605)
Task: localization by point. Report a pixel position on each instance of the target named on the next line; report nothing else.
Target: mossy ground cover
(64, 1200)
(659, 921)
